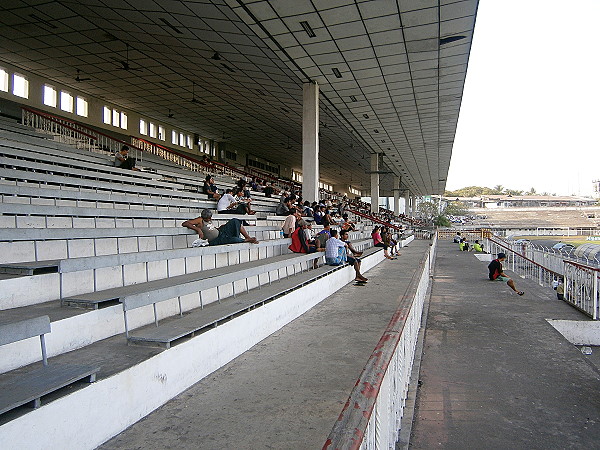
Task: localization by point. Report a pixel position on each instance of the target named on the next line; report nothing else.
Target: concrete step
(178, 367)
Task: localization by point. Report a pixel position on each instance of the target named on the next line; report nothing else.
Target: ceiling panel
(392, 66)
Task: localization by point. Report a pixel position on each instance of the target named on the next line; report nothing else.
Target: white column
(310, 142)
(407, 202)
(413, 205)
(375, 182)
(397, 181)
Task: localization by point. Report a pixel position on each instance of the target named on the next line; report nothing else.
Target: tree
(498, 189)
(441, 221)
(427, 211)
(531, 191)
(470, 191)
(513, 192)
(456, 209)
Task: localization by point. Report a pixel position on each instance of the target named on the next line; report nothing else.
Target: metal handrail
(374, 219)
(371, 416)
(92, 139)
(582, 282)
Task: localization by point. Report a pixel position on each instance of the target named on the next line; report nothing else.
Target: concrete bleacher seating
(39, 382)
(75, 231)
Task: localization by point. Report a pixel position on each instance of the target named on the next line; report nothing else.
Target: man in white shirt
(228, 204)
(289, 224)
(336, 255)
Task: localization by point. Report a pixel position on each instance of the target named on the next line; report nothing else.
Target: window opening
(20, 86)
(81, 107)
(66, 101)
(50, 97)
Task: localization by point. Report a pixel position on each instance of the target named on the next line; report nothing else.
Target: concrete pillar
(375, 182)
(397, 181)
(310, 142)
(413, 205)
(407, 203)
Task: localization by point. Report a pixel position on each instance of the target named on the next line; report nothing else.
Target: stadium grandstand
(144, 305)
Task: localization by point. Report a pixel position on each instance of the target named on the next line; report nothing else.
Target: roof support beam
(310, 142)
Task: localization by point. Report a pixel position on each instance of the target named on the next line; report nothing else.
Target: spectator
(386, 236)
(307, 210)
(269, 190)
(335, 250)
(228, 204)
(289, 224)
(328, 217)
(225, 234)
(241, 185)
(123, 161)
(354, 258)
(207, 162)
(560, 289)
(464, 245)
(497, 273)
(323, 236)
(283, 209)
(300, 239)
(347, 224)
(210, 189)
(378, 242)
(457, 238)
(319, 214)
(477, 247)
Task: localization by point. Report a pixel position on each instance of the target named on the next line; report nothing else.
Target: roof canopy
(391, 73)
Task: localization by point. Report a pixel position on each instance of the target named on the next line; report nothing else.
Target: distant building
(523, 201)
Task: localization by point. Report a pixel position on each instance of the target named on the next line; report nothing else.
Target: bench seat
(176, 286)
(174, 329)
(32, 386)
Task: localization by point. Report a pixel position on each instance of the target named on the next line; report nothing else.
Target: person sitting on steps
(225, 234)
(210, 189)
(123, 160)
(497, 273)
(228, 204)
(353, 256)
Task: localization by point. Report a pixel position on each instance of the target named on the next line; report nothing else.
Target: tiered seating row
(75, 231)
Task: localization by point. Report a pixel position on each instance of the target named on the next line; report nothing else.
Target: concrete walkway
(495, 374)
(287, 391)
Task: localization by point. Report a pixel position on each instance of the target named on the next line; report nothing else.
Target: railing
(582, 289)
(581, 281)
(81, 136)
(479, 233)
(175, 157)
(73, 133)
(522, 265)
(374, 219)
(371, 417)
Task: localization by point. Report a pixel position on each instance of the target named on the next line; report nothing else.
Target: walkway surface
(287, 391)
(494, 373)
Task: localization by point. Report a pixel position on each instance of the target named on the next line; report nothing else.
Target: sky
(530, 110)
